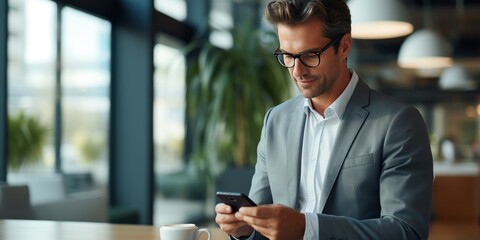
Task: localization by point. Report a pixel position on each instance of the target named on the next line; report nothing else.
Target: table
(54, 230)
(456, 192)
(454, 230)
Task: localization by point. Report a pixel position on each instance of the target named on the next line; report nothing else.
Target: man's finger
(263, 211)
(265, 231)
(223, 208)
(253, 221)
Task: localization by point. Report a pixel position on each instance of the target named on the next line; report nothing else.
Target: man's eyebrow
(305, 51)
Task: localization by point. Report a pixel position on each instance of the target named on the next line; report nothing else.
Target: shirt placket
(315, 179)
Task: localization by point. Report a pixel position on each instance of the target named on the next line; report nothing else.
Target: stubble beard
(317, 89)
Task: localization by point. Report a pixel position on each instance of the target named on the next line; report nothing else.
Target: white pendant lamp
(425, 49)
(379, 19)
(456, 77)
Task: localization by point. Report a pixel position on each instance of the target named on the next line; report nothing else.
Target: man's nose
(299, 69)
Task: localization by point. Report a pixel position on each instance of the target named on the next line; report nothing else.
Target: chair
(15, 202)
(47, 199)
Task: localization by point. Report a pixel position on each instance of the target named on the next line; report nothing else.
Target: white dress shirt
(318, 142)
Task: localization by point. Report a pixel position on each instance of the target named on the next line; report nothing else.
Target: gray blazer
(379, 180)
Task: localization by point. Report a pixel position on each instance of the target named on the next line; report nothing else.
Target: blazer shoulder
(289, 106)
(284, 113)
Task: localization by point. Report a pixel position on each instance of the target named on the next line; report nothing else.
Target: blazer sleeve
(260, 186)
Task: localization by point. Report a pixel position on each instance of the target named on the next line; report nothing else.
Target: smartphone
(235, 200)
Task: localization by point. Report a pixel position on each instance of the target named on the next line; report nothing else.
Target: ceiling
(457, 20)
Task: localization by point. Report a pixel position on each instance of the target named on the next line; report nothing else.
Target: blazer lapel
(294, 153)
(352, 121)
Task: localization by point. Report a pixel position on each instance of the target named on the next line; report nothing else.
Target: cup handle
(205, 231)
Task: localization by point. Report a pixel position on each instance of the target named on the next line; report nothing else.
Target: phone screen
(235, 200)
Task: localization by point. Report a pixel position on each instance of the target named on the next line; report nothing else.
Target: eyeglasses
(310, 59)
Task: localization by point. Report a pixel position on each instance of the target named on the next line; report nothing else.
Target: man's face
(322, 80)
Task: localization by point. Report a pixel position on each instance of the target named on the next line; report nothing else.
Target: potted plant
(228, 94)
(26, 138)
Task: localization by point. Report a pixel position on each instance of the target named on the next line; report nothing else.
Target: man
(341, 161)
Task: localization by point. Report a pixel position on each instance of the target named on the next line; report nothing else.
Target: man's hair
(334, 14)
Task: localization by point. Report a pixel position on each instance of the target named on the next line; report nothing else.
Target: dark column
(247, 12)
(131, 160)
(197, 13)
(3, 89)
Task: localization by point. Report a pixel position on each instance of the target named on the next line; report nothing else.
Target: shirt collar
(340, 104)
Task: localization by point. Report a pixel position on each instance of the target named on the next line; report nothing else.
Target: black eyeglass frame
(277, 53)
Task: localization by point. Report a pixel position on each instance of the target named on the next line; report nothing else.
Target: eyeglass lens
(309, 59)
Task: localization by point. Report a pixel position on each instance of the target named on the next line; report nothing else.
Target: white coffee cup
(186, 231)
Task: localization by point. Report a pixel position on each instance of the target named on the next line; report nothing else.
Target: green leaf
(26, 137)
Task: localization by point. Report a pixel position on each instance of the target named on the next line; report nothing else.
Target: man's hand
(275, 222)
(229, 223)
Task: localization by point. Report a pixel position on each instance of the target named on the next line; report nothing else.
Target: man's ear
(345, 45)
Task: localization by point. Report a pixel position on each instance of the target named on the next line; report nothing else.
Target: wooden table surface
(53, 230)
(454, 230)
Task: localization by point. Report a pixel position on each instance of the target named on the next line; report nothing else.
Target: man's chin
(309, 93)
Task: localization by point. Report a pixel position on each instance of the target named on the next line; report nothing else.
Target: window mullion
(58, 92)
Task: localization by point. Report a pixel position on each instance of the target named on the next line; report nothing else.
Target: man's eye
(309, 55)
(287, 57)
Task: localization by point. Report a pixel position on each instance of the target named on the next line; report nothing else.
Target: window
(181, 184)
(43, 98)
(221, 22)
(31, 84)
(180, 192)
(174, 8)
(85, 94)
(169, 107)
